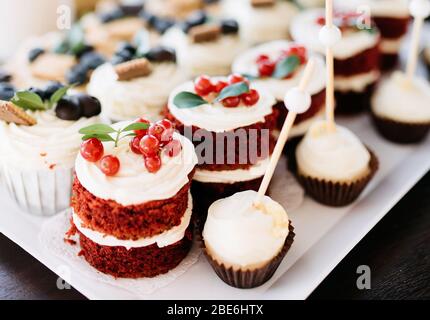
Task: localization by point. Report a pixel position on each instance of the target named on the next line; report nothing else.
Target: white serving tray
(324, 235)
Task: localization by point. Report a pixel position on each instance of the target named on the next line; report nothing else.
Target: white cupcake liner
(39, 192)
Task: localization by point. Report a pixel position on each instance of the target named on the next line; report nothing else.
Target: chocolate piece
(263, 3)
(161, 54)
(12, 113)
(205, 33)
(229, 26)
(133, 69)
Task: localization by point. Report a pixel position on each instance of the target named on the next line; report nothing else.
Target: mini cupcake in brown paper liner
(401, 132)
(332, 193)
(249, 278)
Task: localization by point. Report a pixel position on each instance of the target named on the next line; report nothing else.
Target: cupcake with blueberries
(261, 20)
(205, 45)
(278, 66)
(231, 123)
(39, 128)
(137, 82)
(244, 243)
(356, 56)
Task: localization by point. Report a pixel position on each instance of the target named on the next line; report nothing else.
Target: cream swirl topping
(238, 234)
(217, 118)
(133, 184)
(246, 64)
(51, 143)
(378, 8)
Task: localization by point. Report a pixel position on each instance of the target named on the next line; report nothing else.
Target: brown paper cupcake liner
(400, 132)
(246, 279)
(352, 103)
(335, 194)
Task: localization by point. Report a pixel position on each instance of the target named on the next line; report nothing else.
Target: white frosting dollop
(211, 58)
(378, 8)
(51, 143)
(133, 184)
(238, 234)
(263, 24)
(162, 240)
(246, 64)
(332, 155)
(143, 96)
(305, 30)
(399, 100)
(217, 118)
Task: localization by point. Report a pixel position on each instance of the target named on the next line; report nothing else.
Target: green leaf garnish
(76, 39)
(136, 126)
(58, 95)
(98, 128)
(286, 66)
(28, 101)
(101, 137)
(185, 100)
(233, 90)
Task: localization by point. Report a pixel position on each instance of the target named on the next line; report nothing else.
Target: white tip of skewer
(419, 8)
(329, 36)
(297, 101)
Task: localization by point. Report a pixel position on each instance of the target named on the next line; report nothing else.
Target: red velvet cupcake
(131, 199)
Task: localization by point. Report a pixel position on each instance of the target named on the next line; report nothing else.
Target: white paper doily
(52, 237)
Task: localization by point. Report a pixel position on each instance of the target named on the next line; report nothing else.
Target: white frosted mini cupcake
(40, 142)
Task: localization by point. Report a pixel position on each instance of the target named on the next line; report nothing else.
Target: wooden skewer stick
(283, 136)
(330, 71)
(414, 49)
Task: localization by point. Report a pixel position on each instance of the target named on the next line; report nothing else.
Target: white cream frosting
(215, 117)
(356, 83)
(259, 25)
(242, 236)
(211, 58)
(378, 8)
(336, 156)
(133, 184)
(391, 46)
(399, 100)
(305, 29)
(143, 96)
(246, 64)
(232, 176)
(51, 143)
(162, 240)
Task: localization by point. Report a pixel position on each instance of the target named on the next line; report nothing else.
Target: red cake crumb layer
(363, 62)
(142, 262)
(392, 28)
(318, 103)
(270, 123)
(129, 222)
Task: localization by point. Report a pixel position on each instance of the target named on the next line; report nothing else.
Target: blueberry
(7, 91)
(68, 109)
(35, 53)
(89, 105)
(77, 75)
(161, 54)
(126, 46)
(196, 18)
(41, 93)
(148, 17)
(117, 60)
(86, 48)
(51, 88)
(229, 26)
(112, 15)
(126, 55)
(4, 76)
(92, 60)
(163, 24)
(131, 10)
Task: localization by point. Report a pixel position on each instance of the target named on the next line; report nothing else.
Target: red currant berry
(141, 133)
(262, 58)
(321, 21)
(173, 148)
(299, 51)
(231, 102)
(149, 145)
(203, 86)
(235, 78)
(153, 164)
(167, 124)
(156, 130)
(266, 68)
(135, 145)
(167, 134)
(251, 98)
(220, 85)
(92, 150)
(109, 165)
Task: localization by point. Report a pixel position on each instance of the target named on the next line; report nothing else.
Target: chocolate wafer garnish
(10, 112)
(263, 3)
(133, 69)
(205, 33)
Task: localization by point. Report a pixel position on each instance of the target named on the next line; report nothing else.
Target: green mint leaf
(99, 128)
(136, 126)
(28, 101)
(286, 66)
(62, 47)
(233, 90)
(58, 95)
(101, 137)
(76, 39)
(185, 100)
